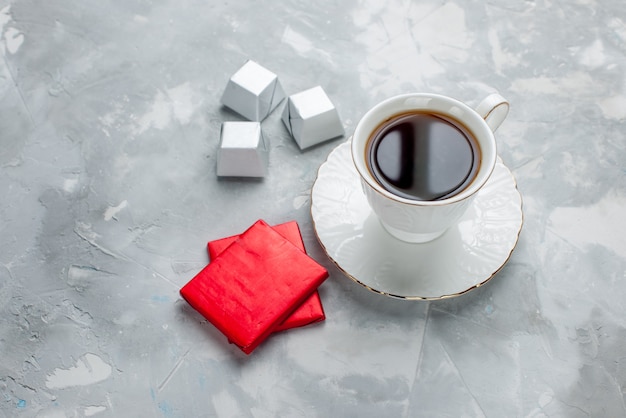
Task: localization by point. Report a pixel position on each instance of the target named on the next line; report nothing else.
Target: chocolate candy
(254, 285)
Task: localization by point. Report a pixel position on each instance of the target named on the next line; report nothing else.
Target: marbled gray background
(109, 117)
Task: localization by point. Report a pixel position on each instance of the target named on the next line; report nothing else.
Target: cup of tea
(423, 157)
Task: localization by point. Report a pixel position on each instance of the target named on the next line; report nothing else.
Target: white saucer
(464, 258)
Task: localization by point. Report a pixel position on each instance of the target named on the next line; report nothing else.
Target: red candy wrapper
(311, 310)
(254, 285)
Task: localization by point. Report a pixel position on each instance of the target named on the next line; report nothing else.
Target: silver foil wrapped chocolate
(311, 118)
(243, 151)
(253, 92)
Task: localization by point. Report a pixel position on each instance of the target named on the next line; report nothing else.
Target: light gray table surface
(109, 125)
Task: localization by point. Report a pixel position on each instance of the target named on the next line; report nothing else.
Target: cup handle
(494, 109)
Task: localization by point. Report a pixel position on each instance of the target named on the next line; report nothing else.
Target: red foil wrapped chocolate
(254, 285)
(311, 310)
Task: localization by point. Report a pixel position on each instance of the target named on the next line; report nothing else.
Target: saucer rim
(417, 297)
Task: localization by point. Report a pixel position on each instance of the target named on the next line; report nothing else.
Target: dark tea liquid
(423, 156)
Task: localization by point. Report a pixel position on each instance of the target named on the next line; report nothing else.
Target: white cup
(419, 221)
